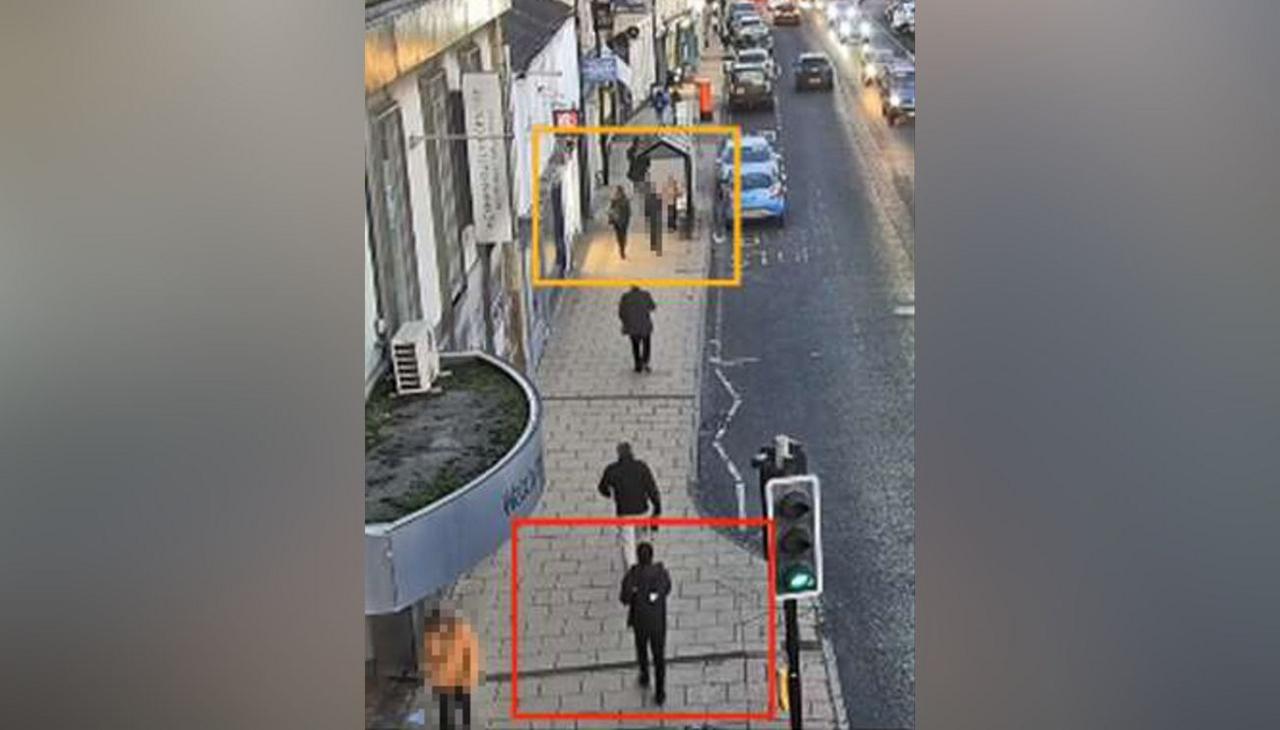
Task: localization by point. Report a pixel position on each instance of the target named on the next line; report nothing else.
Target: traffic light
(794, 505)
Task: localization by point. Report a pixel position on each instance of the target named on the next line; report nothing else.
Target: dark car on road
(814, 71)
(750, 87)
(900, 102)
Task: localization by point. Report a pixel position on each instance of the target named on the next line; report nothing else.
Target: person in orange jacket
(451, 658)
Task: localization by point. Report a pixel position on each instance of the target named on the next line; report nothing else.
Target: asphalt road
(819, 343)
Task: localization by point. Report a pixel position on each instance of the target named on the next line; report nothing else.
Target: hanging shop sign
(486, 153)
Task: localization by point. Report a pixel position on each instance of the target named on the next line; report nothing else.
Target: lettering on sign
(517, 494)
(486, 151)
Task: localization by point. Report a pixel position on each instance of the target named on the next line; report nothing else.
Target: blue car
(764, 197)
(757, 155)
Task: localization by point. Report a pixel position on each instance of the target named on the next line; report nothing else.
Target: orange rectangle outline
(535, 263)
(770, 713)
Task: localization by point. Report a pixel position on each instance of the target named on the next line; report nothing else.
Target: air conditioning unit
(414, 358)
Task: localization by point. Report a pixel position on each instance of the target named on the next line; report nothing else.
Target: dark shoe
(644, 680)
(660, 697)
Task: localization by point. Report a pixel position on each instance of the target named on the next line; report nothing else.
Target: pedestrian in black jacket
(644, 591)
(630, 483)
(620, 218)
(635, 309)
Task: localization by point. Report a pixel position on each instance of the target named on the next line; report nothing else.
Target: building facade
(546, 90)
(422, 258)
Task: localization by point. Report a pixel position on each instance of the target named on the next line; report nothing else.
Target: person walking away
(658, 97)
(451, 657)
(638, 172)
(635, 309)
(653, 212)
(620, 218)
(629, 482)
(645, 588)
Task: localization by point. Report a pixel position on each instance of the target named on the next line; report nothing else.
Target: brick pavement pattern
(576, 654)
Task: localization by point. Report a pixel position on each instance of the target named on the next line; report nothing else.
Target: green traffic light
(800, 578)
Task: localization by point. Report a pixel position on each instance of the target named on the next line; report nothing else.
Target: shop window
(387, 195)
(445, 177)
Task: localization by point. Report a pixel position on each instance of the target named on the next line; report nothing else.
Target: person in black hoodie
(630, 483)
(644, 591)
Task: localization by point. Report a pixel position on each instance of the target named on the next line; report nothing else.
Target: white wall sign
(486, 150)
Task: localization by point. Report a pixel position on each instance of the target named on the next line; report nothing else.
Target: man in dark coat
(629, 482)
(653, 211)
(620, 218)
(638, 172)
(644, 591)
(634, 309)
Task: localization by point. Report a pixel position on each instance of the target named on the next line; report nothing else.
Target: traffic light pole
(794, 700)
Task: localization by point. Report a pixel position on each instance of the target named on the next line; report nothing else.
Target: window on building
(444, 184)
(395, 260)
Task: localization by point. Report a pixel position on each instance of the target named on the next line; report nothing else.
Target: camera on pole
(782, 458)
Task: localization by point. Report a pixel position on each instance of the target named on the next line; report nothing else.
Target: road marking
(739, 486)
(905, 310)
(733, 362)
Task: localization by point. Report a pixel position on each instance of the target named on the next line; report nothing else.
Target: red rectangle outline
(770, 713)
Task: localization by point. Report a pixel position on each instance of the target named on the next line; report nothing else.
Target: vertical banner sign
(486, 150)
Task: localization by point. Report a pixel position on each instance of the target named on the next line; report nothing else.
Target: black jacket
(632, 487)
(620, 213)
(644, 592)
(634, 310)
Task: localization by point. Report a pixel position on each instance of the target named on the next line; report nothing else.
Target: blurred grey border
(180, 403)
(1098, 394)
(1098, 365)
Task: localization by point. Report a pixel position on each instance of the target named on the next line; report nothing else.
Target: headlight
(846, 29)
(865, 28)
(895, 100)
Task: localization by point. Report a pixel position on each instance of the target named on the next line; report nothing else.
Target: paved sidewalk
(575, 652)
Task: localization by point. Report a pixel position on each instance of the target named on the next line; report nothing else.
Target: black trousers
(621, 233)
(640, 350)
(452, 704)
(652, 642)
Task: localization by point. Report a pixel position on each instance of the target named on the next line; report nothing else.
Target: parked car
(814, 71)
(754, 36)
(741, 22)
(896, 5)
(758, 153)
(764, 197)
(749, 56)
(787, 13)
(902, 19)
(750, 87)
(900, 102)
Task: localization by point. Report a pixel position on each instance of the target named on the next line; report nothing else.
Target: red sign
(564, 117)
